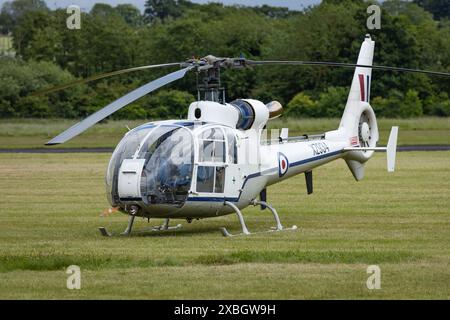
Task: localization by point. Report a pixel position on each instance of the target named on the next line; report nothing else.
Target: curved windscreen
(125, 150)
(168, 168)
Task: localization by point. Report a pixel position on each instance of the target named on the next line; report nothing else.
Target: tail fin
(360, 90)
(358, 123)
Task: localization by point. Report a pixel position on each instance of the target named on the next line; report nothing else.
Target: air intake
(246, 114)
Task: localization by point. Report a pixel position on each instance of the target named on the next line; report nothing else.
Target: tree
(169, 103)
(439, 8)
(411, 105)
(103, 10)
(130, 14)
(19, 79)
(30, 23)
(398, 104)
(164, 9)
(274, 12)
(13, 11)
(6, 23)
(113, 38)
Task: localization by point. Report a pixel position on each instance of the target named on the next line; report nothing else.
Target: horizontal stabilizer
(391, 149)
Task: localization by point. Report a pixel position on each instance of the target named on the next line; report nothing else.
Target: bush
(169, 104)
(399, 105)
(411, 106)
(302, 106)
(332, 103)
(438, 105)
(19, 80)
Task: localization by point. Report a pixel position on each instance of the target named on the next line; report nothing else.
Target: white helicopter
(218, 161)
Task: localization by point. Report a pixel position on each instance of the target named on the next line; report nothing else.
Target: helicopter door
(234, 180)
(212, 162)
(129, 179)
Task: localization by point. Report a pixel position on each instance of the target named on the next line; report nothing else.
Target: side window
(210, 179)
(212, 146)
(205, 179)
(232, 148)
(220, 180)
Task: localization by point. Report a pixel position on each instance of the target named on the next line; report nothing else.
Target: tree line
(413, 35)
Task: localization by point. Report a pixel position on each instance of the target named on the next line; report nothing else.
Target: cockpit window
(167, 174)
(156, 138)
(125, 150)
(212, 145)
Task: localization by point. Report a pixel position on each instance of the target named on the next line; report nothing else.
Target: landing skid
(164, 227)
(278, 227)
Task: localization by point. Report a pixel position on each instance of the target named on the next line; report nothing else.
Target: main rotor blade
(101, 76)
(345, 65)
(116, 105)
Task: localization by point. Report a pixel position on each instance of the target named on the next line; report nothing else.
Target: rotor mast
(209, 87)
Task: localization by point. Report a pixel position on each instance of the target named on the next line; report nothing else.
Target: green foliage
(439, 8)
(130, 14)
(13, 11)
(438, 105)
(302, 106)
(19, 80)
(169, 103)
(399, 105)
(332, 102)
(120, 37)
(411, 106)
(165, 9)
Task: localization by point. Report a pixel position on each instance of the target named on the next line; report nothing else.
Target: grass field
(51, 203)
(34, 133)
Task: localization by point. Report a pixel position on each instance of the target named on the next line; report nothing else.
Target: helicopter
(220, 159)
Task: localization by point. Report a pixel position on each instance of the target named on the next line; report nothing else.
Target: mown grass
(50, 209)
(297, 256)
(34, 133)
(40, 261)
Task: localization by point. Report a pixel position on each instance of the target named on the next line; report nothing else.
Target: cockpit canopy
(163, 155)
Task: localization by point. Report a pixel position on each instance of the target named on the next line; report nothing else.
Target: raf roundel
(283, 164)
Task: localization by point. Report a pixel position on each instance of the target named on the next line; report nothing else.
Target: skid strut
(165, 226)
(127, 231)
(133, 211)
(241, 220)
(279, 226)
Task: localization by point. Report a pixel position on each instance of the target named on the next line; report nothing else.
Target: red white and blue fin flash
(283, 164)
(364, 85)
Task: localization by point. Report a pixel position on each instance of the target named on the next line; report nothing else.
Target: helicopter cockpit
(154, 163)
